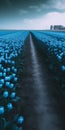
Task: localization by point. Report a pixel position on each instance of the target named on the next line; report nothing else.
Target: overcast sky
(31, 14)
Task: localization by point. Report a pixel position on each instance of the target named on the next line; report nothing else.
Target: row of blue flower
(10, 47)
(53, 45)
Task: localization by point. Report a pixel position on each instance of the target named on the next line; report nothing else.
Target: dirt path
(42, 107)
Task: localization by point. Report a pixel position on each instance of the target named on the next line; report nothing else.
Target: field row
(52, 45)
(11, 48)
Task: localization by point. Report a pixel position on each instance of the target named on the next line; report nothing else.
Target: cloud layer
(13, 13)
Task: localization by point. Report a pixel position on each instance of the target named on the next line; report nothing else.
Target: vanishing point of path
(42, 105)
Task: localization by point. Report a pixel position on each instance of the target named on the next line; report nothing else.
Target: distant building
(51, 27)
(57, 27)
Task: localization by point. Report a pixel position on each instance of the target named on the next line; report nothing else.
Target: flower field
(11, 46)
(21, 56)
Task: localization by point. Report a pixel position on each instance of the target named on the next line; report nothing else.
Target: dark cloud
(4, 4)
(12, 7)
(15, 10)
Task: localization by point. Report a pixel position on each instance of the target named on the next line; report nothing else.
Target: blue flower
(7, 78)
(10, 106)
(2, 81)
(5, 94)
(8, 69)
(7, 84)
(4, 74)
(13, 62)
(1, 85)
(11, 86)
(20, 119)
(0, 74)
(63, 68)
(1, 109)
(15, 79)
(13, 94)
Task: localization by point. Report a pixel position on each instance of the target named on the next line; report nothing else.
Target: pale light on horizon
(43, 22)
